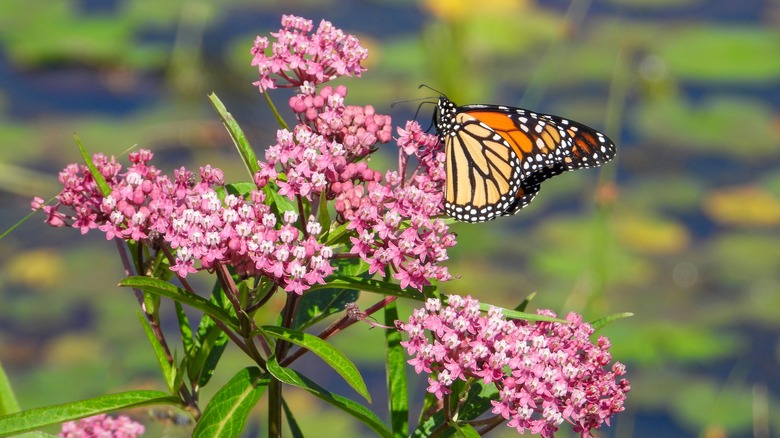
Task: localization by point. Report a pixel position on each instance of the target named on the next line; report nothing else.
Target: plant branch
(340, 324)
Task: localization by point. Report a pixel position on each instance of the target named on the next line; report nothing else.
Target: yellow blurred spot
(73, 349)
(652, 235)
(748, 205)
(714, 431)
(456, 10)
(38, 269)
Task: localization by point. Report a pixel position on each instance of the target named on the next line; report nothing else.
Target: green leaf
(338, 235)
(36, 434)
(369, 285)
(477, 400)
(513, 314)
(210, 340)
(169, 372)
(318, 305)
(295, 430)
(476, 403)
(464, 430)
(241, 189)
(395, 361)
(32, 419)
(281, 202)
(96, 175)
(601, 322)
(8, 403)
(239, 139)
(184, 327)
(226, 413)
(294, 378)
(324, 218)
(333, 357)
(163, 288)
(211, 344)
(524, 304)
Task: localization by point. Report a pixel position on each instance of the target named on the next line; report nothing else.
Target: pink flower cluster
(299, 56)
(193, 220)
(393, 218)
(102, 426)
(395, 221)
(357, 128)
(545, 372)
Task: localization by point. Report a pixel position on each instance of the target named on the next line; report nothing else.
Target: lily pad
(734, 127)
(720, 53)
(741, 258)
(746, 206)
(651, 234)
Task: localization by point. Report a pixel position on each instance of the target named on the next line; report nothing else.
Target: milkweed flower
(102, 426)
(299, 55)
(186, 212)
(545, 373)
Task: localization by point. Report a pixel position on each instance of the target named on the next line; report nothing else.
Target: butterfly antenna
(430, 88)
(410, 100)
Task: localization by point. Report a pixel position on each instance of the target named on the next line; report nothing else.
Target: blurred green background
(682, 229)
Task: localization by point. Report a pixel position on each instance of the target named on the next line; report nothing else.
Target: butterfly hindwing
(497, 156)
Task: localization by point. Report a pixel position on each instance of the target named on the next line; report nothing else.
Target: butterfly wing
(483, 172)
(498, 156)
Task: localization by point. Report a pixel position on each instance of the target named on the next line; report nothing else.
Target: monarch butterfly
(498, 156)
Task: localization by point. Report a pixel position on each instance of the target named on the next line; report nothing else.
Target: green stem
(278, 116)
(274, 409)
(339, 325)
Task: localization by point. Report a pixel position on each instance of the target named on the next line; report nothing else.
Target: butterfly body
(497, 156)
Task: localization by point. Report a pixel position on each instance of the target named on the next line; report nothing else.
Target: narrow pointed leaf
(294, 378)
(237, 134)
(210, 346)
(32, 419)
(369, 285)
(8, 403)
(513, 314)
(395, 361)
(524, 304)
(210, 339)
(295, 430)
(96, 175)
(600, 323)
(227, 412)
(333, 357)
(163, 288)
(169, 372)
(324, 218)
(36, 434)
(184, 327)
